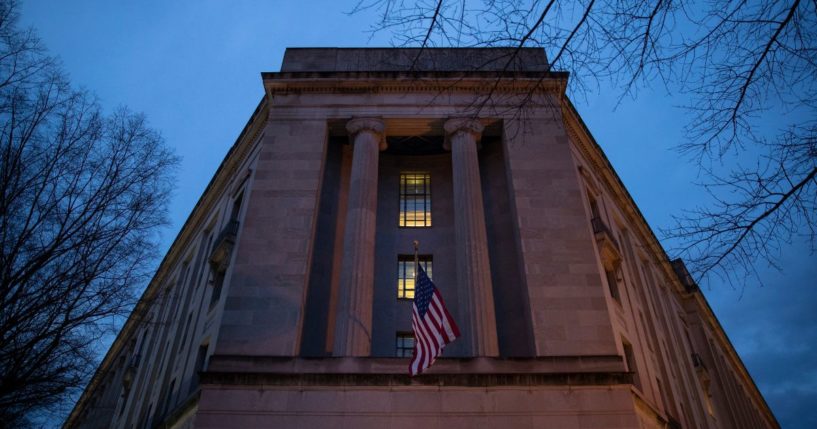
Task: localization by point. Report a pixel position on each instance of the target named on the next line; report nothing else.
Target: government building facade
(286, 299)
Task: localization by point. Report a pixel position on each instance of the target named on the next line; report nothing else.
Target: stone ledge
(216, 379)
(398, 366)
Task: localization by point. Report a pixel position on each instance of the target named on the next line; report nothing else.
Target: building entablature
(475, 83)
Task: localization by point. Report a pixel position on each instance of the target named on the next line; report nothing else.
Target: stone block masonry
(270, 274)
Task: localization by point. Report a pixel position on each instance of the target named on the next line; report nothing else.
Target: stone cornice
(405, 82)
(462, 125)
(593, 154)
(610, 180)
(376, 126)
(217, 185)
(717, 329)
(467, 125)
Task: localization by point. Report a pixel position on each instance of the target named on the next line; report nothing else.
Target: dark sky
(194, 70)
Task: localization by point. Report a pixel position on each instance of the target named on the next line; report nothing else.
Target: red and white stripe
(431, 333)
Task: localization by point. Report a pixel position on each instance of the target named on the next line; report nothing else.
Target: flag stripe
(450, 320)
(432, 323)
(435, 324)
(419, 350)
(434, 334)
(426, 346)
(437, 316)
(446, 327)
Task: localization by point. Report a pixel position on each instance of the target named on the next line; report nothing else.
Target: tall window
(629, 356)
(218, 283)
(201, 362)
(594, 207)
(236, 210)
(415, 200)
(404, 345)
(612, 283)
(405, 274)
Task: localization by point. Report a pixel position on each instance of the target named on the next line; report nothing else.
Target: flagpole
(416, 261)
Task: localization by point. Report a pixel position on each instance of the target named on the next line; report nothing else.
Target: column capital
(469, 126)
(374, 126)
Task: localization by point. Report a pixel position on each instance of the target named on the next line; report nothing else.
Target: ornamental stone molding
(375, 126)
(470, 126)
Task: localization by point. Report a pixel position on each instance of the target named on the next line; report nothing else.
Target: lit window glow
(405, 274)
(415, 200)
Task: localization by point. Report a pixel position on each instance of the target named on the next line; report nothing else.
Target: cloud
(774, 329)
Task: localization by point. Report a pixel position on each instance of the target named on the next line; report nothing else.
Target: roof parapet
(414, 59)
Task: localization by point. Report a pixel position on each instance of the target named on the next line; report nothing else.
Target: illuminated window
(405, 274)
(404, 345)
(415, 200)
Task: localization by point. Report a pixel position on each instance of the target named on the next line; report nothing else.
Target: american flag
(433, 325)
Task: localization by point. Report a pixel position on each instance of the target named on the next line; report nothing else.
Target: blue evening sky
(194, 69)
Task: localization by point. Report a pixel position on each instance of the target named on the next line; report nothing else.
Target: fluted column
(353, 325)
(473, 265)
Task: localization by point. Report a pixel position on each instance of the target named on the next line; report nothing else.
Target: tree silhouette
(81, 197)
(742, 65)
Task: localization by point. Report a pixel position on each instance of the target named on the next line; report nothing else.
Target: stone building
(285, 300)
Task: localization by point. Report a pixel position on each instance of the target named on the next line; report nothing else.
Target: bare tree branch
(741, 65)
(81, 197)
(428, 34)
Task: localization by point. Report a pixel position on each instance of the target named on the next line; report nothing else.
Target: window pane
(405, 274)
(415, 200)
(404, 344)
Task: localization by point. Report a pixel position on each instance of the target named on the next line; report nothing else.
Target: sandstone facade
(280, 304)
